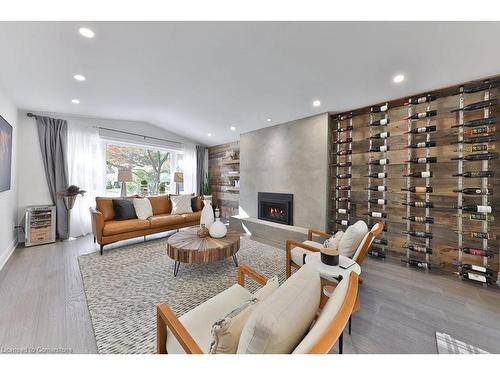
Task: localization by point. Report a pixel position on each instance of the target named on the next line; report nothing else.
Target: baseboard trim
(7, 255)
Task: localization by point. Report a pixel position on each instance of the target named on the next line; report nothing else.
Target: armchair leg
(102, 247)
(341, 343)
(350, 319)
(94, 240)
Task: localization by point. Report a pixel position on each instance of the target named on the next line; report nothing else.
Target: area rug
(124, 285)
(448, 345)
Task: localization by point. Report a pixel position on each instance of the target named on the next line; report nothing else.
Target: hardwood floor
(42, 304)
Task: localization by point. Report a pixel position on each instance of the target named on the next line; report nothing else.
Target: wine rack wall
(405, 163)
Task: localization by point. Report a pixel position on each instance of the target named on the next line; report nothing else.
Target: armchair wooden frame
(167, 319)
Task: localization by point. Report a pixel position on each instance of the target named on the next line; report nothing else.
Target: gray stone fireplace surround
(288, 158)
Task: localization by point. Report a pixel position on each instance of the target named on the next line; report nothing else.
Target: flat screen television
(5, 154)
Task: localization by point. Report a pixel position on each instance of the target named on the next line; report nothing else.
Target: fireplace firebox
(276, 207)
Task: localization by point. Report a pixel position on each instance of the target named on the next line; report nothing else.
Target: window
(152, 168)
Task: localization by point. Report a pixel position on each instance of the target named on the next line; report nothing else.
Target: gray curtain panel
(53, 137)
(200, 168)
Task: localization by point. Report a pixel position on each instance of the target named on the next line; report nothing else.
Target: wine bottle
(342, 141)
(386, 227)
(380, 202)
(382, 135)
(474, 157)
(418, 248)
(476, 217)
(422, 144)
(476, 268)
(344, 176)
(474, 191)
(478, 122)
(345, 117)
(431, 159)
(478, 252)
(419, 204)
(480, 209)
(479, 235)
(377, 188)
(482, 87)
(379, 161)
(420, 219)
(343, 187)
(377, 253)
(344, 164)
(381, 122)
(419, 234)
(420, 100)
(418, 189)
(478, 174)
(423, 174)
(481, 130)
(377, 175)
(484, 139)
(421, 115)
(343, 211)
(476, 277)
(343, 222)
(376, 214)
(417, 264)
(477, 148)
(341, 130)
(379, 149)
(379, 109)
(343, 199)
(425, 129)
(344, 152)
(380, 241)
(478, 105)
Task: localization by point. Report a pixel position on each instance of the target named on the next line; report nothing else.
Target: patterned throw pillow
(181, 204)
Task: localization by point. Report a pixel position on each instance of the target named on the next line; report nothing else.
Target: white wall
(8, 199)
(33, 188)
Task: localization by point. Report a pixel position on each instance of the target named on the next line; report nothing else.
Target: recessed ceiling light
(86, 32)
(269, 120)
(79, 77)
(232, 128)
(75, 101)
(209, 134)
(398, 78)
(316, 103)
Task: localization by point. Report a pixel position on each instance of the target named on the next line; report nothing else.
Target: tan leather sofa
(108, 230)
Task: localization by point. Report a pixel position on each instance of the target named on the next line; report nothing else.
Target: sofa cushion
(198, 321)
(160, 204)
(297, 253)
(328, 314)
(105, 206)
(166, 220)
(112, 227)
(142, 207)
(196, 203)
(352, 237)
(195, 216)
(226, 332)
(279, 322)
(181, 204)
(124, 209)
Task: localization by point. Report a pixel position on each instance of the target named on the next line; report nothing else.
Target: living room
(249, 187)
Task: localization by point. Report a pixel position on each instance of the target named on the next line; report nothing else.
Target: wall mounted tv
(5, 154)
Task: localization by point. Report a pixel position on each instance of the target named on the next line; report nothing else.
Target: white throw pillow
(278, 323)
(143, 208)
(226, 332)
(352, 237)
(181, 204)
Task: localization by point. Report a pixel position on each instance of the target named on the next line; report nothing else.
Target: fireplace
(276, 207)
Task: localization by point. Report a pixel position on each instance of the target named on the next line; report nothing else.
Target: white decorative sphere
(217, 229)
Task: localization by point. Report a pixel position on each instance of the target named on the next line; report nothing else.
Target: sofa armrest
(244, 270)
(317, 232)
(165, 318)
(97, 219)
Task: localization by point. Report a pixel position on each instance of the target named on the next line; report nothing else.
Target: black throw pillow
(124, 209)
(194, 204)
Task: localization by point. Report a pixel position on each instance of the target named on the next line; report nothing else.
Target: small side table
(334, 274)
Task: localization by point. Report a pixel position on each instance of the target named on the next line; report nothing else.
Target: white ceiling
(193, 78)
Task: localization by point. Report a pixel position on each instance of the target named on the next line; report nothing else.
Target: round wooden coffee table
(187, 247)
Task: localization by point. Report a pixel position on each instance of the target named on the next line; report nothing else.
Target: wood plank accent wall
(225, 195)
(443, 197)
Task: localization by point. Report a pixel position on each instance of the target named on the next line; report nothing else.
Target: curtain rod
(138, 135)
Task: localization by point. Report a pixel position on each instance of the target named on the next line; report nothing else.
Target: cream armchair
(284, 317)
